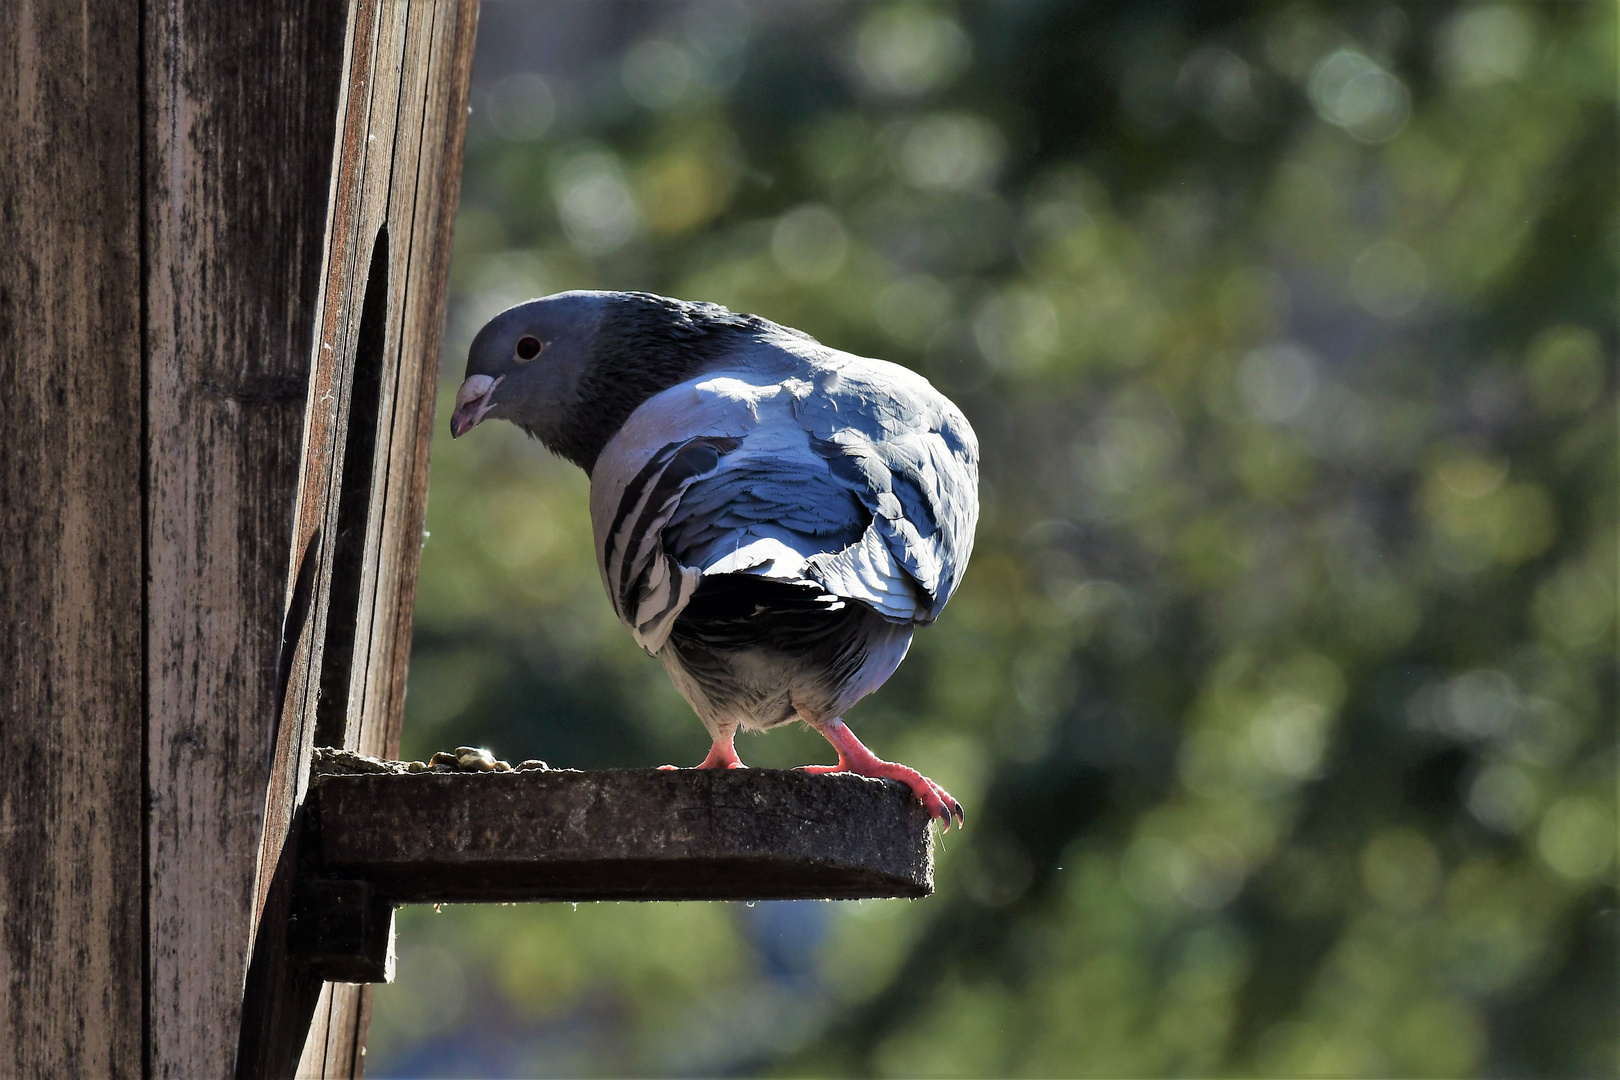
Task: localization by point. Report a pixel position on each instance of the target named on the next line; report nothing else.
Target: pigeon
(773, 518)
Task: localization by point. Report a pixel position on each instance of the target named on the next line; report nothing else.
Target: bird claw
(936, 800)
(939, 804)
(854, 757)
(721, 756)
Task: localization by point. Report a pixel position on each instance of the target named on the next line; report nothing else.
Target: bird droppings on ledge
(467, 759)
(335, 761)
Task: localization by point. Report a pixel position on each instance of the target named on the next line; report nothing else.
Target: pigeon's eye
(528, 347)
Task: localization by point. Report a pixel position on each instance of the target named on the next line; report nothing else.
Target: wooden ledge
(376, 835)
(635, 834)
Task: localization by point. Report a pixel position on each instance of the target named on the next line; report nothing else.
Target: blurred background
(1281, 688)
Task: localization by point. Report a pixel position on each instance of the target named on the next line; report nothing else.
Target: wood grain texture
(423, 188)
(362, 482)
(278, 1003)
(180, 286)
(423, 191)
(435, 185)
(240, 102)
(71, 714)
(327, 369)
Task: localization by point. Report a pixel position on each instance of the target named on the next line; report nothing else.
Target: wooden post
(71, 632)
(174, 228)
(362, 487)
(237, 104)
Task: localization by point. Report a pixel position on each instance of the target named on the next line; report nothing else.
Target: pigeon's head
(526, 365)
(570, 369)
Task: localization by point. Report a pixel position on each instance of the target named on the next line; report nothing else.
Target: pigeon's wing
(648, 585)
(908, 454)
(712, 476)
(859, 482)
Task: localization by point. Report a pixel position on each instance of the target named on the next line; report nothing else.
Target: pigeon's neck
(645, 345)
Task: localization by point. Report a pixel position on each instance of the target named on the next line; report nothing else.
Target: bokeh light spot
(1485, 44)
(1277, 382)
(911, 309)
(1389, 279)
(911, 49)
(950, 151)
(657, 74)
(1353, 92)
(809, 244)
(1565, 370)
(521, 107)
(1017, 329)
(1440, 1038)
(1577, 837)
(1503, 796)
(598, 213)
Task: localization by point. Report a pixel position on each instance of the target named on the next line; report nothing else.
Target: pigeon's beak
(475, 398)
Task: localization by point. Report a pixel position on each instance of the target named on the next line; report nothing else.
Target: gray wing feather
(647, 585)
(851, 474)
(909, 455)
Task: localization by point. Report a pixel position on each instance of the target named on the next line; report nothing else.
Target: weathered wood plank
(631, 834)
(353, 498)
(434, 185)
(362, 483)
(71, 696)
(240, 103)
(332, 1047)
(377, 835)
(424, 184)
(328, 360)
(220, 122)
(279, 1003)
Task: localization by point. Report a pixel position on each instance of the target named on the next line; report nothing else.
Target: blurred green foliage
(1281, 688)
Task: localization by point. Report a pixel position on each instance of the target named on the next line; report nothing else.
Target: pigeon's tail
(760, 650)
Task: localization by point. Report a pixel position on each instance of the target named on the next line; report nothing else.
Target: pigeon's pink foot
(722, 755)
(854, 757)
